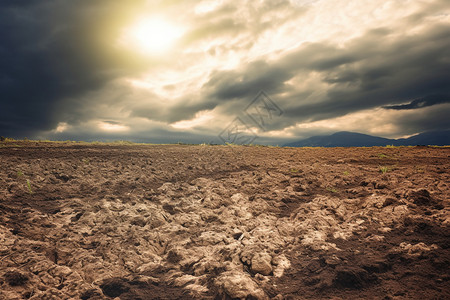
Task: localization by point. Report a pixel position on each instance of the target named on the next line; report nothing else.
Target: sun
(151, 35)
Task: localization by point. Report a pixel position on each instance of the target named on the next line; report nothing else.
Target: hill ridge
(355, 139)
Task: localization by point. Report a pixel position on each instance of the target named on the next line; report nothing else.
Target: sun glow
(151, 35)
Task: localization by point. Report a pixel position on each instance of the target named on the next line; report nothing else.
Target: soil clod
(15, 278)
(114, 287)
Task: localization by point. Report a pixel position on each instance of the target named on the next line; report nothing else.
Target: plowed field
(85, 221)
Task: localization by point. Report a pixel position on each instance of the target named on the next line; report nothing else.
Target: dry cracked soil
(87, 221)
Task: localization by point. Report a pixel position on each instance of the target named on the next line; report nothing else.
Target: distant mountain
(437, 138)
(354, 139)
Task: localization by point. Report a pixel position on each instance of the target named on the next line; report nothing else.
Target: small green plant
(332, 189)
(29, 187)
(384, 169)
(381, 155)
(390, 146)
(19, 173)
(86, 160)
(294, 170)
(346, 173)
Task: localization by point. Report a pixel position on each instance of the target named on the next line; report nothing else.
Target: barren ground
(222, 222)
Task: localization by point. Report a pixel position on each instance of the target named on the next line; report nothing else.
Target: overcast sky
(193, 71)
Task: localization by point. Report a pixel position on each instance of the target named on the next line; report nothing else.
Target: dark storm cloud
(421, 102)
(52, 50)
(222, 87)
(369, 72)
(243, 84)
(185, 110)
(435, 119)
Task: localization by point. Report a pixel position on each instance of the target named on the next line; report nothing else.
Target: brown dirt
(223, 222)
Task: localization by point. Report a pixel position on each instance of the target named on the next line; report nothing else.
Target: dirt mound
(223, 222)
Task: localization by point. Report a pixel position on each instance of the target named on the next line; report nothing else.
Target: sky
(214, 71)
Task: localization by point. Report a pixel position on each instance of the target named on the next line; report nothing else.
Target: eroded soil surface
(222, 222)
